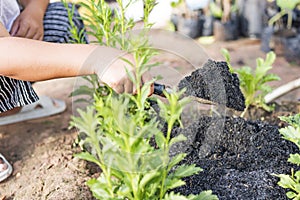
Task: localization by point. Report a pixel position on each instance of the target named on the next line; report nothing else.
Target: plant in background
(291, 133)
(118, 128)
(226, 55)
(253, 83)
(222, 9)
(77, 35)
(286, 8)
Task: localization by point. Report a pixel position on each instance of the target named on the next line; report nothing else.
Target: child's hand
(117, 78)
(29, 24)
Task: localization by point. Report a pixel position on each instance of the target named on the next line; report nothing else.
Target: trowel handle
(159, 88)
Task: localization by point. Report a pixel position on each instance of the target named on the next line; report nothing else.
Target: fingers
(26, 29)
(38, 36)
(15, 27)
(128, 86)
(124, 86)
(119, 88)
(22, 29)
(30, 33)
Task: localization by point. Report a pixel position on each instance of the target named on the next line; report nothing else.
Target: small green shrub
(117, 129)
(253, 83)
(291, 133)
(119, 134)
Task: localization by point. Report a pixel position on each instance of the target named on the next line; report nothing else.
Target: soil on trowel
(239, 158)
(216, 83)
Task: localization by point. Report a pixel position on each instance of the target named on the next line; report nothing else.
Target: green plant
(77, 35)
(291, 133)
(286, 8)
(226, 55)
(119, 133)
(117, 129)
(177, 3)
(222, 9)
(253, 83)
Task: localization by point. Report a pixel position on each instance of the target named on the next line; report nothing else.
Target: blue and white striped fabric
(16, 93)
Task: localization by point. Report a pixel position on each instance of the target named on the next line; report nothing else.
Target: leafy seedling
(291, 133)
(253, 83)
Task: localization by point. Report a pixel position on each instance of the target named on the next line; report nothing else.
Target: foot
(11, 112)
(44, 107)
(5, 168)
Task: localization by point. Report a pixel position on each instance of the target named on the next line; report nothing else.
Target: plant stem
(166, 152)
(245, 111)
(102, 166)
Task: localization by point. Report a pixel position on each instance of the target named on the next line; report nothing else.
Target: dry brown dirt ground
(41, 150)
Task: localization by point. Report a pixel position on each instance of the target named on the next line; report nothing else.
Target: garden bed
(41, 150)
(240, 157)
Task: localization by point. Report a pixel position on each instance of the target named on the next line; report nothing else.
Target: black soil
(216, 83)
(239, 158)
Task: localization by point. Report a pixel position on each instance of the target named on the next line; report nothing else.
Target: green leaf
(204, 195)
(269, 78)
(291, 194)
(98, 189)
(285, 181)
(175, 160)
(186, 170)
(297, 175)
(294, 158)
(88, 157)
(178, 138)
(226, 55)
(160, 139)
(293, 120)
(297, 188)
(148, 178)
(287, 4)
(173, 196)
(292, 134)
(172, 183)
(215, 10)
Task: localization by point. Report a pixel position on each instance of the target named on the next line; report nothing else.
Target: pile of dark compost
(239, 158)
(216, 83)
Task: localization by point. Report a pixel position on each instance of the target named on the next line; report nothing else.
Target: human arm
(36, 60)
(29, 24)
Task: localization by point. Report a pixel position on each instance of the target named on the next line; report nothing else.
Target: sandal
(5, 168)
(44, 107)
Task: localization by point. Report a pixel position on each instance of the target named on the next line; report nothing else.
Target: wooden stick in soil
(282, 90)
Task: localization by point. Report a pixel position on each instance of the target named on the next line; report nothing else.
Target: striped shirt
(16, 93)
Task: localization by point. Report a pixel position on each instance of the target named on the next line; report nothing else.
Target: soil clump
(216, 83)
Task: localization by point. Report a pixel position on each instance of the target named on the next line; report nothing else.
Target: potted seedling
(283, 32)
(226, 22)
(186, 20)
